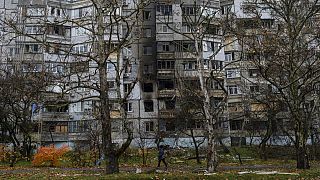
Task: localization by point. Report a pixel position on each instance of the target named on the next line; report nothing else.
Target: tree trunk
(212, 157)
(302, 157)
(301, 136)
(263, 153)
(144, 162)
(196, 146)
(197, 154)
(112, 163)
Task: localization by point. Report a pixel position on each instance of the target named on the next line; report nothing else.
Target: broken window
(147, 87)
(170, 104)
(146, 15)
(166, 84)
(148, 106)
(170, 125)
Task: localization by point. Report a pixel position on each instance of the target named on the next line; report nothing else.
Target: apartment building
(165, 45)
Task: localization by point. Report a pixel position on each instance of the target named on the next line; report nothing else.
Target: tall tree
(282, 44)
(199, 46)
(89, 61)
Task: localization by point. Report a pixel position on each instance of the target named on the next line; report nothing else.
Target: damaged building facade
(148, 71)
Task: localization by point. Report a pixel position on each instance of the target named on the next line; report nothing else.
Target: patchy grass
(45, 173)
(180, 167)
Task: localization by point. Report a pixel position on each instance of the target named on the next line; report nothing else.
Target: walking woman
(161, 156)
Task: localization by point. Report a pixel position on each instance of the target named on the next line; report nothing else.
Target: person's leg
(164, 161)
(159, 160)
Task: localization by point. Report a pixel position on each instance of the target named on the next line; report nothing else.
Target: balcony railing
(166, 93)
(167, 113)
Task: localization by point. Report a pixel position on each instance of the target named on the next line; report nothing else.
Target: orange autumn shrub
(49, 156)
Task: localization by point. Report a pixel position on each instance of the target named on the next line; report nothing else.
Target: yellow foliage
(49, 155)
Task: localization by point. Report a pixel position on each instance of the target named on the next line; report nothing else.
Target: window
(147, 87)
(128, 69)
(111, 84)
(226, 9)
(146, 15)
(170, 104)
(31, 68)
(166, 64)
(191, 65)
(216, 101)
(33, 29)
(188, 10)
(147, 50)
(35, 12)
(267, 23)
(164, 9)
(236, 125)
(217, 65)
(80, 49)
(163, 28)
(76, 67)
(149, 126)
(229, 56)
(253, 73)
(56, 68)
(128, 107)
(170, 126)
(148, 106)
(110, 67)
(216, 84)
(61, 129)
(147, 69)
(233, 73)
(166, 84)
(32, 48)
(254, 89)
(163, 46)
(127, 87)
(147, 32)
(82, 12)
(233, 90)
(79, 31)
(186, 28)
(52, 12)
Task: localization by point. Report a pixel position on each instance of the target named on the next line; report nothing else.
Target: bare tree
(284, 50)
(106, 28)
(198, 45)
(19, 92)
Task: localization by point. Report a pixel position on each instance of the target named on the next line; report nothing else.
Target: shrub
(82, 158)
(49, 156)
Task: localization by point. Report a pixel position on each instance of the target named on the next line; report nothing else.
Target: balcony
(185, 55)
(166, 93)
(54, 116)
(166, 74)
(55, 137)
(166, 55)
(164, 37)
(166, 113)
